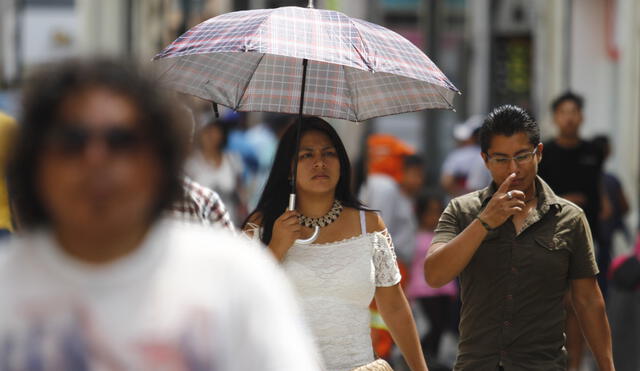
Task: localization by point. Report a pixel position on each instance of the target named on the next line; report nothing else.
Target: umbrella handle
(316, 231)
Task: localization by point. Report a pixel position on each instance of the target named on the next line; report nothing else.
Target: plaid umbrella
(350, 69)
(356, 70)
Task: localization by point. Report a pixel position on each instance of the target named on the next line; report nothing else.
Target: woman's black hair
(47, 90)
(275, 196)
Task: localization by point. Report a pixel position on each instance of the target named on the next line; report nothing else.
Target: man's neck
(530, 193)
(568, 141)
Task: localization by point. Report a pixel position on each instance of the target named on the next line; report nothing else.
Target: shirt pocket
(551, 258)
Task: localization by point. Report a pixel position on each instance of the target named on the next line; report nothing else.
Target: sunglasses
(73, 139)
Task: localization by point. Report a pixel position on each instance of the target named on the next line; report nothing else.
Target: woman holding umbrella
(352, 260)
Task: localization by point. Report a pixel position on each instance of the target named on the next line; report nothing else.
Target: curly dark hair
(508, 120)
(275, 196)
(45, 92)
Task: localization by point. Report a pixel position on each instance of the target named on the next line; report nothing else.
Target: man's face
(500, 161)
(568, 119)
(97, 169)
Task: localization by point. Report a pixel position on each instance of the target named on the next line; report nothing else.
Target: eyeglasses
(73, 139)
(521, 159)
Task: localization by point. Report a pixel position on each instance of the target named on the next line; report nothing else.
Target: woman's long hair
(275, 196)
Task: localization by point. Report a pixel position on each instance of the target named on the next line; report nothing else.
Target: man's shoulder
(470, 202)
(568, 209)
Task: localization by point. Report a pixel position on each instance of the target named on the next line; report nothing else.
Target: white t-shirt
(187, 299)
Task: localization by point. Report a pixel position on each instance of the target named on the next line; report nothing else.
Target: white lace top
(336, 282)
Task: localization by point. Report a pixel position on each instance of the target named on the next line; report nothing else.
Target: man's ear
(540, 148)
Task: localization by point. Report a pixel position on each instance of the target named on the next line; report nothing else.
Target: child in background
(436, 304)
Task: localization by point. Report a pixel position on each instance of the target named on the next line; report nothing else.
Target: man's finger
(507, 182)
(515, 194)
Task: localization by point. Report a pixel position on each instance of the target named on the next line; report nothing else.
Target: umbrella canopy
(251, 61)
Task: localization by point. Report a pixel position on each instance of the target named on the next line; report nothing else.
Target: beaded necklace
(324, 220)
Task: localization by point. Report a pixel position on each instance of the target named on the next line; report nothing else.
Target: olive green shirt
(513, 287)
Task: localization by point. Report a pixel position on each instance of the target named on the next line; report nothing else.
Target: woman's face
(97, 168)
(318, 164)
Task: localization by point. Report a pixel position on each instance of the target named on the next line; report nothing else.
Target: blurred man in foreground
(98, 280)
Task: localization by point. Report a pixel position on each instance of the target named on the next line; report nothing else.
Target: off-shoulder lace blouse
(336, 282)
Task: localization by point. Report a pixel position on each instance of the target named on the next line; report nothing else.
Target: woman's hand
(286, 229)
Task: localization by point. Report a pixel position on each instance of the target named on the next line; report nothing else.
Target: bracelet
(484, 224)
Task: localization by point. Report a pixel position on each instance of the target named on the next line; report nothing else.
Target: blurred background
(495, 51)
(523, 52)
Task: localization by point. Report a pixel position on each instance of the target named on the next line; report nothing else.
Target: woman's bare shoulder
(373, 220)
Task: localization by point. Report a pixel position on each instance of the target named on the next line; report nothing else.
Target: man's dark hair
(508, 120)
(568, 96)
(48, 88)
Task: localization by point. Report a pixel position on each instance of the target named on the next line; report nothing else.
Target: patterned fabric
(251, 61)
(202, 205)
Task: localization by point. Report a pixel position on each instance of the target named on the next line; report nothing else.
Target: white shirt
(187, 298)
(336, 282)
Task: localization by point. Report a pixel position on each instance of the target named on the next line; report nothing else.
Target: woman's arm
(395, 310)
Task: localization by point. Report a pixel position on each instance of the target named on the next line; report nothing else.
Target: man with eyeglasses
(517, 248)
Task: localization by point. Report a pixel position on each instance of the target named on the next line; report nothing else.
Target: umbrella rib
(444, 98)
(244, 90)
(354, 108)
